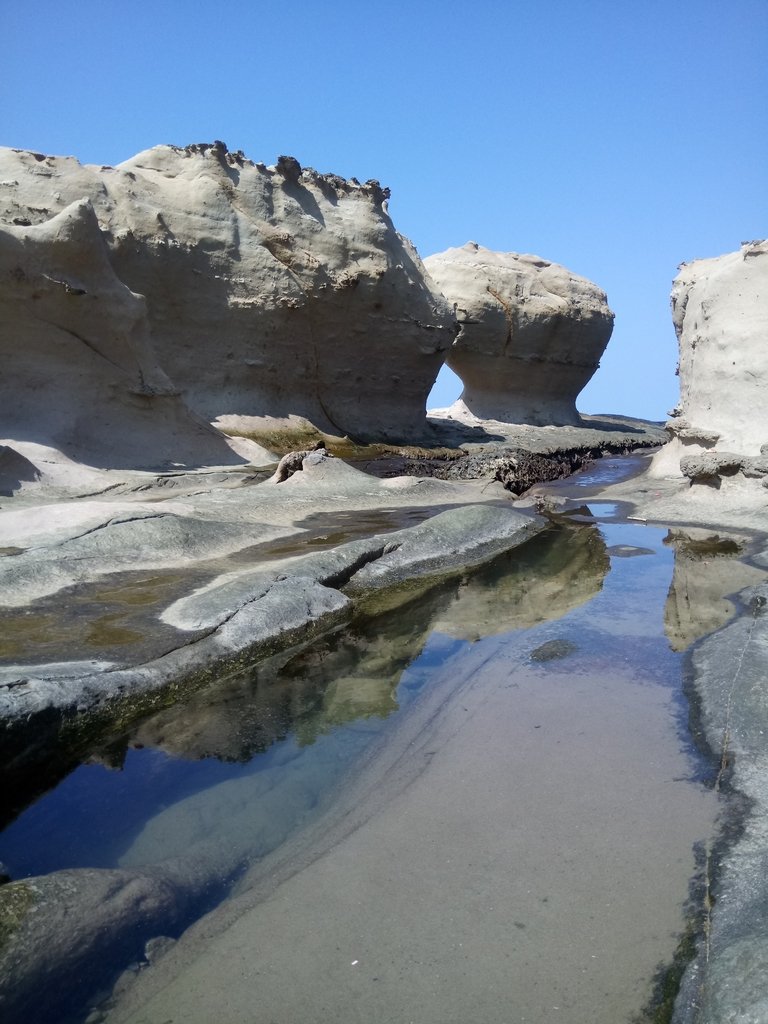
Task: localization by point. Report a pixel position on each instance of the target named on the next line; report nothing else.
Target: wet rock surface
(725, 982)
(61, 931)
(520, 457)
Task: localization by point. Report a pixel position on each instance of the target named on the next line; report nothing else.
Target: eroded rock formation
(267, 291)
(531, 334)
(719, 430)
(79, 370)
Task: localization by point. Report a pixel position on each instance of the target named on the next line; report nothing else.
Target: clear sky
(618, 137)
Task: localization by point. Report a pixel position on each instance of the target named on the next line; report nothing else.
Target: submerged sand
(517, 848)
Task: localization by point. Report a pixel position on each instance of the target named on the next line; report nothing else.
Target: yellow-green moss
(16, 898)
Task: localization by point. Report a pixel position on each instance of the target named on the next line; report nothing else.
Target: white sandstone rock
(531, 334)
(269, 291)
(720, 428)
(79, 371)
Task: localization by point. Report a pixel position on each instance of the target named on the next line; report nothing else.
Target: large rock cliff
(719, 430)
(531, 334)
(267, 291)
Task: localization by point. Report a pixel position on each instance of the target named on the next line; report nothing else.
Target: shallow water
(482, 805)
(115, 618)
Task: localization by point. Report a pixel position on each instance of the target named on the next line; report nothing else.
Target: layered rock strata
(531, 334)
(719, 430)
(267, 291)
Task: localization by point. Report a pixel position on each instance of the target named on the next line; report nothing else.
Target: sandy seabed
(517, 849)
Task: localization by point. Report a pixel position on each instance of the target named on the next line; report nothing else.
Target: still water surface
(481, 805)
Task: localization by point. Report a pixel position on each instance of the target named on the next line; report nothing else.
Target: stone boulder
(269, 291)
(719, 430)
(531, 334)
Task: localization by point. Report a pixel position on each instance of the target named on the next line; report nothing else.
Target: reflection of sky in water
(600, 472)
(603, 509)
(92, 816)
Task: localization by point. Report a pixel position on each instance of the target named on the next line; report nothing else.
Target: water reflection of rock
(203, 841)
(342, 677)
(545, 580)
(354, 674)
(708, 569)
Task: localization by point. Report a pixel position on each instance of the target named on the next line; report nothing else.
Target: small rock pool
(480, 803)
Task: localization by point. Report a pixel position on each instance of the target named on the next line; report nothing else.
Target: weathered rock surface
(79, 371)
(246, 614)
(76, 928)
(719, 430)
(531, 334)
(726, 980)
(269, 291)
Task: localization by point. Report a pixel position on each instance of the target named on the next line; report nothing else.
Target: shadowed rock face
(531, 334)
(720, 428)
(269, 291)
(79, 370)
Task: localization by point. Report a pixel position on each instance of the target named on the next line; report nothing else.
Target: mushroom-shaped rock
(270, 291)
(531, 334)
(720, 313)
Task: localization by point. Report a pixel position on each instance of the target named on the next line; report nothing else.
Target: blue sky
(618, 138)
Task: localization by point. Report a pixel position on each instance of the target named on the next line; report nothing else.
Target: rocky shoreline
(172, 326)
(323, 588)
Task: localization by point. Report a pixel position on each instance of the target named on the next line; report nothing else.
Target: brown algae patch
(94, 619)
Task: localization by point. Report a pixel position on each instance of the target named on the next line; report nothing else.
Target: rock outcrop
(264, 291)
(531, 334)
(79, 371)
(719, 430)
(728, 671)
